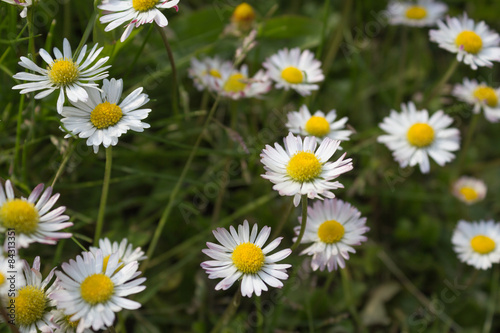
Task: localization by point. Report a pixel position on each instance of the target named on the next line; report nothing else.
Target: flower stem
(490, 310)
(302, 223)
(65, 160)
(260, 316)
(18, 132)
(172, 65)
(437, 88)
(104, 194)
(468, 140)
(284, 218)
(347, 289)
(228, 313)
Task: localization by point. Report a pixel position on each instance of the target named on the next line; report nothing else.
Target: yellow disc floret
(30, 303)
(105, 115)
(331, 232)
(215, 73)
(482, 244)
(234, 83)
(144, 5)
(96, 288)
(248, 258)
(292, 75)
(2, 279)
(318, 126)
(63, 72)
(469, 41)
(420, 135)
(416, 13)
(487, 95)
(20, 215)
(303, 167)
(72, 324)
(468, 193)
(243, 13)
(105, 264)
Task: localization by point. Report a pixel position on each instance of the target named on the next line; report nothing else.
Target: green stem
(490, 310)
(104, 195)
(283, 220)
(175, 191)
(31, 42)
(79, 244)
(467, 142)
(64, 161)
(260, 316)
(346, 286)
(88, 30)
(302, 223)
(172, 65)
(437, 88)
(18, 132)
(402, 64)
(228, 313)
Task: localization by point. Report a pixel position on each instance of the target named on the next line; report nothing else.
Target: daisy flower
(475, 44)
(476, 243)
(292, 69)
(318, 125)
(420, 14)
(469, 190)
(333, 226)
(413, 137)
(91, 294)
(125, 250)
(32, 301)
(203, 72)
(136, 13)
(32, 219)
(102, 120)
(65, 324)
(67, 73)
(241, 255)
(23, 3)
(243, 16)
(236, 84)
(481, 96)
(301, 169)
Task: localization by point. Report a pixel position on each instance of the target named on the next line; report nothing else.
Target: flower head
(236, 83)
(242, 255)
(205, 71)
(420, 14)
(469, 190)
(482, 96)
(413, 136)
(125, 250)
(23, 4)
(103, 119)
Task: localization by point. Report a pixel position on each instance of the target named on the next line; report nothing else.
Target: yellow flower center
(63, 72)
(469, 41)
(248, 258)
(416, 13)
(2, 279)
(105, 264)
(468, 193)
(303, 167)
(105, 115)
(214, 73)
(420, 135)
(144, 5)
(482, 244)
(243, 13)
(30, 303)
(96, 288)
(318, 126)
(72, 324)
(234, 84)
(331, 232)
(20, 215)
(292, 75)
(487, 95)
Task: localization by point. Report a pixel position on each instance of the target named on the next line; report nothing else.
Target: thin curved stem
(65, 160)
(104, 195)
(174, 69)
(302, 223)
(437, 88)
(228, 313)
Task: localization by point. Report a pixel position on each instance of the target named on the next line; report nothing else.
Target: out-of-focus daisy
(136, 13)
(481, 96)
(9, 263)
(236, 84)
(292, 69)
(67, 73)
(32, 301)
(413, 137)
(241, 255)
(205, 71)
(301, 169)
(125, 250)
(65, 324)
(32, 219)
(319, 125)
(416, 14)
(91, 295)
(23, 3)
(243, 16)
(333, 226)
(475, 44)
(469, 190)
(477, 243)
(102, 120)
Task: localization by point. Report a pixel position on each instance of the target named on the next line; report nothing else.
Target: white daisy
(32, 301)
(477, 243)
(413, 137)
(102, 120)
(294, 69)
(125, 250)
(318, 125)
(32, 219)
(236, 84)
(136, 13)
(23, 3)
(416, 14)
(475, 44)
(91, 295)
(67, 73)
(203, 72)
(242, 255)
(481, 96)
(300, 169)
(333, 226)
(469, 190)
(65, 324)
